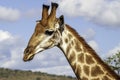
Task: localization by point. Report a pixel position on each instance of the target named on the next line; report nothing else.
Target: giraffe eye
(48, 32)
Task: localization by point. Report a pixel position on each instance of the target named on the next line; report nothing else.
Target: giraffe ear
(61, 23)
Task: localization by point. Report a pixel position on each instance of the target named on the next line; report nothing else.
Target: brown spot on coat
(105, 78)
(77, 47)
(96, 71)
(69, 36)
(78, 72)
(74, 67)
(72, 42)
(84, 78)
(66, 40)
(89, 59)
(72, 57)
(68, 49)
(81, 57)
(86, 70)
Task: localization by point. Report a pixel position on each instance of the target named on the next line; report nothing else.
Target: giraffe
(51, 31)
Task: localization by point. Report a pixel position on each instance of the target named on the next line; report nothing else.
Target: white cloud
(103, 12)
(114, 50)
(11, 48)
(9, 14)
(94, 45)
(89, 34)
(4, 35)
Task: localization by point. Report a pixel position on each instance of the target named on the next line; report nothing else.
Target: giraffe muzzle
(28, 57)
(28, 54)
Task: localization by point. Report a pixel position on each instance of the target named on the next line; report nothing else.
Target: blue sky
(98, 21)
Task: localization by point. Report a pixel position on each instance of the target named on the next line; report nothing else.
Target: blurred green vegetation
(114, 62)
(8, 74)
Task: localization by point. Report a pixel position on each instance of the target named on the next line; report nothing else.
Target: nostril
(27, 51)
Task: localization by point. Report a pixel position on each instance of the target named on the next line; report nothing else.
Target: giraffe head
(47, 33)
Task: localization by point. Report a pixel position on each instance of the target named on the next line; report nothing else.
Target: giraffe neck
(83, 59)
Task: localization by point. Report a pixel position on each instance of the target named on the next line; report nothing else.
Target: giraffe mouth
(28, 57)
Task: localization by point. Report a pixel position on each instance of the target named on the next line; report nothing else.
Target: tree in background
(114, 62)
